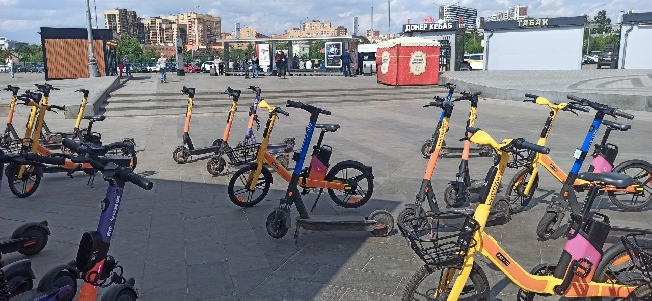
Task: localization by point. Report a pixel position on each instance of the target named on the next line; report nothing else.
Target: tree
(315, 49)
(473, 42)
(602, 23)
(129, 47)
(148, 55)
(30, 53)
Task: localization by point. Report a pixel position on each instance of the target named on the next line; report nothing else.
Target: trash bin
(213, 71)
(614, 64)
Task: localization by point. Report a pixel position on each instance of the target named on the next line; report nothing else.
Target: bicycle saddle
(328, 127)
(616, 125)
(95, 117)
(610, 178)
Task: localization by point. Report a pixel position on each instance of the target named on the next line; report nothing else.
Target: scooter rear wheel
(180, 155)
(58, 279)
(385, 223)
(123, 295)
(40, 237)
(26, 185)
(276, 227)
(450, 197)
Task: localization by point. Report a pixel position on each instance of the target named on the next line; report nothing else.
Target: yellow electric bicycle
(448, 241)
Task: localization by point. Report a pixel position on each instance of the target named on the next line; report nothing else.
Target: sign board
(445, 26)
(333, 50)
(179, 52)
(533, 22)
(262, 51)
(429, 20)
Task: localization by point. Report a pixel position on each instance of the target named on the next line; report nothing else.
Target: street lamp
(301, 23)
(92, 64)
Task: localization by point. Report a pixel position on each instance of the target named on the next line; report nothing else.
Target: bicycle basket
(14, 145)
(243, 153)
(642, 259)
(519, 159)
(442, 238)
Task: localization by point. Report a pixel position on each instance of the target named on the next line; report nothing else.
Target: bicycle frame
(250, 137)
(264, 156)
(10, 131)
(489, 248)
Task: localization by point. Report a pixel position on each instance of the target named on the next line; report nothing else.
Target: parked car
(476, 61)
(206, 67)
(3, 68)
(606, 58)
(190, 68)
(152, 67)
(589, 59)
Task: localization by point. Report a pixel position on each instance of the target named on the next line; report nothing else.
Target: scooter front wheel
(57, 278)
(181, 155)
(276, 226)
(384, 223)
(450, 197)
(215, 166)
(545, 228)
(426, 148)
(26, 185)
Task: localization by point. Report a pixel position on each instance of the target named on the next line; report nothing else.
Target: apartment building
(122, 21)
(465, 15)
(7, 44)
(163, 31)
(202, 29)
(314, 28)
(516, 12)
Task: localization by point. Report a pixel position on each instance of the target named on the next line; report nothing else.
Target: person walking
(346, 62)
(127, 66)
(161, 63)
(120, 66)
(246, 63)
(283, 61)
(360, 64)
(10, 65)
(254, 64)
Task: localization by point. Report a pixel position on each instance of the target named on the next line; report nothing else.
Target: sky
(20, 19)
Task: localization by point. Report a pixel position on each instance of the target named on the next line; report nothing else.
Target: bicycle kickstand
(317, 199)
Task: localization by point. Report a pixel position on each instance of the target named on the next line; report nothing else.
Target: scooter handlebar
(307, 107)
(575, 98)
(531, 146)
(74, 146)
(623, 114)
(534, 97)
(578, 107)
(281, 111)
(129, 175)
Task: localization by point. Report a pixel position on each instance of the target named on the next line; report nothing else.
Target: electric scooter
(429, 146)
(245, 151)
(93, 265)
(182, 153)
(28, 239)
(379, 222)
(9, 137)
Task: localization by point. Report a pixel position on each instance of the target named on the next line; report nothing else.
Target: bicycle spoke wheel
(361, 185)
(239, 191)
(515, 193)
(642, 175)
(431, 283)
(25, 185)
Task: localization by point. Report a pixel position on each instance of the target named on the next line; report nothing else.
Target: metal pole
(372, 18)
(92, 64)
(95, 6)
(389, 16)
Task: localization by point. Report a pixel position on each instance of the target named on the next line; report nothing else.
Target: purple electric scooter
(93, 265)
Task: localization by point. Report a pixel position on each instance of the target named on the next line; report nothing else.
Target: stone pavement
(627, 89)
(98, 88)
(184, 240)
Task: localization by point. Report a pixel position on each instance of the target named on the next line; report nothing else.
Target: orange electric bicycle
(24, 179)
(10, 138)
(352, 178)
(448, 241)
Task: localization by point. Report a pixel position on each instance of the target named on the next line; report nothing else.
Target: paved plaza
(184, 240)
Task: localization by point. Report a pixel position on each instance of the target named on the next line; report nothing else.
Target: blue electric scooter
(379, 222)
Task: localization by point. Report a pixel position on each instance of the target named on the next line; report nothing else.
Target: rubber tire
(450, 197)
(543, 228)
(385, 218)
(128, 152)
(370, 186)
(406, 214)
(517, 208)
(26, 284)
(215, 166)
(622, 205)
(59, 280)
(426, 148)
(275, 228)
(41, 237)
(477, 277)
(126, 295)
(246, 169)
(180, 155)
(12, 175)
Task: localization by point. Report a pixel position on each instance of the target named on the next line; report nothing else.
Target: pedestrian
(161, 63)
(216, 63)
(346, 62)
(255, 62)
(120, 66)
(246, 63)
(10, 65)
(277, 63)
(309, 65)
(283, 60)
(360, 64)
(127, 67)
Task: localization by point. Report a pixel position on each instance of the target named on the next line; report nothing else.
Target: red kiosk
(408, 61)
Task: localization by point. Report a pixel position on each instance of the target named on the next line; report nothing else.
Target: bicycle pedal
(582, 268)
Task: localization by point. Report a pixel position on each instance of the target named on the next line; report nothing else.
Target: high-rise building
(122, 21)
(315, 28)
(6, 44)
(516, 12)
(466, 16)
(202, 29)
(164, 32)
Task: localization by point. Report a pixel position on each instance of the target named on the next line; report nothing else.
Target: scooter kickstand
(317, 199)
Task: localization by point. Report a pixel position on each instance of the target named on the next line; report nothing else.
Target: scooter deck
(10, 245)
(336, 223)
(205, 150)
